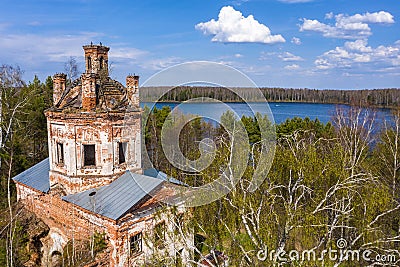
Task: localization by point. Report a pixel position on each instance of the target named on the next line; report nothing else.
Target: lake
(280, 110)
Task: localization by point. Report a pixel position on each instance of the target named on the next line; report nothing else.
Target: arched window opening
(89, 63)
(101, 63)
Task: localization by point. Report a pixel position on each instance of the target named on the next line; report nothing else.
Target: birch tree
(10, 77)
(319, 190)
(18, 105)
(388, 153)
(325, 185)
(71, 69)
(13, 100)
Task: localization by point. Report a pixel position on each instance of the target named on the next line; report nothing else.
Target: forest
(327, 182)
(363, 98)
(23, 143)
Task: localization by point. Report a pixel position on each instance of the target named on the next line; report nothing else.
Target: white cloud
(233, 27)
(125, 52)
(347, 27)
(358, 45)
(57, 48)
(292, 67)
(357, 54)
(254, 69)
(376, 17)
(296, 41)
(238, 55)
(160, 63)
(329, 15)
(286, 56)
(45, 55)
(266, 55)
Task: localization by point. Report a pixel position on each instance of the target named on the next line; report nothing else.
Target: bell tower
(94, 127)
(96, 58)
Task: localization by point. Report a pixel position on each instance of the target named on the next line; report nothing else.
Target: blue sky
(339, 44)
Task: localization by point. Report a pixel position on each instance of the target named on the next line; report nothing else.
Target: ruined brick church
(93, 181)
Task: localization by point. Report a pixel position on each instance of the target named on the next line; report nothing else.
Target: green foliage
(193, 132)
(99, 240)
(27, 231)
(363, 98)
(252, 128)
(24, 123)
(36, 119)
(313, 127)
(76, 253)
(24, 141)
(315, 193)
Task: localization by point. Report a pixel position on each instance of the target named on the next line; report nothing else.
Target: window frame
(85, 151)
(122, 150)
(60, 159)
(137, 240)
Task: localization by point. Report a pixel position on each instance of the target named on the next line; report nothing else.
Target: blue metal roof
(162, 176)
(115, 199)
(36, 176)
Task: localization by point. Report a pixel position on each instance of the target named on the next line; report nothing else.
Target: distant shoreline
(367, 98)
(269, 102)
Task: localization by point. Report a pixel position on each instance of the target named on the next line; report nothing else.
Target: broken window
(60, 153)
(122, 151)
(135, 244)
(89, 155)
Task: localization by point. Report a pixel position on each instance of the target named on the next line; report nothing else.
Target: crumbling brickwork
(94, 137)
(105, 131)
(96, 58)
(67, 221)
(132, 85)
(88, 91)
(59, 83)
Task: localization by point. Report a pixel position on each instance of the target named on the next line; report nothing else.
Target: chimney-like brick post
(132, 86)
(59, 83)
(89, 91)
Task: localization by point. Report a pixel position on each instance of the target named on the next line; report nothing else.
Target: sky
(321, 44)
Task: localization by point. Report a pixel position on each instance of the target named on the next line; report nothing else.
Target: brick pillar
(89, 91)
(132, 86)
(59, 83)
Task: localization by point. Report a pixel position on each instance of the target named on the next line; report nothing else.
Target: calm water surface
(280, 110)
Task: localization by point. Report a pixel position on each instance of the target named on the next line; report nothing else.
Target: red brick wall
(74, 222)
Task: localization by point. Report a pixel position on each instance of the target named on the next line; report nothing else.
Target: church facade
(93, 181)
